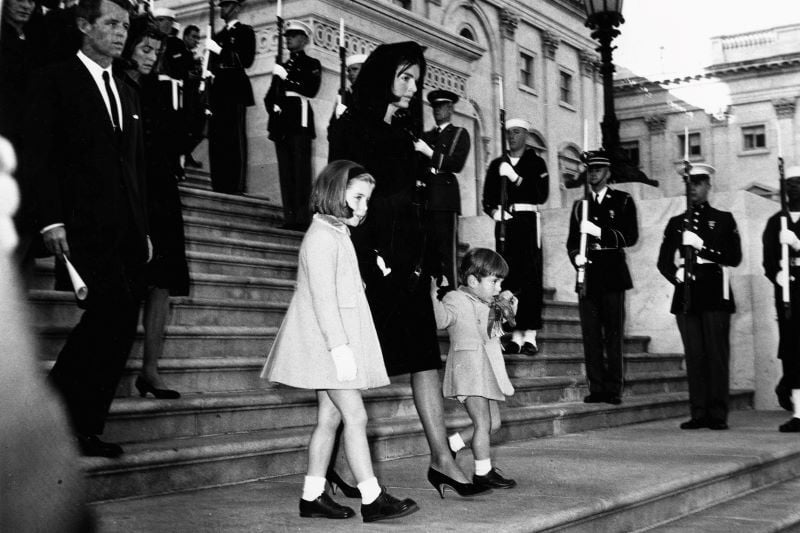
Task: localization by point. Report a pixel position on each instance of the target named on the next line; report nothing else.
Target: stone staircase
(231, 427)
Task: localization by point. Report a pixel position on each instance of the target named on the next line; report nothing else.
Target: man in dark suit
(231, 95)
(611, 227)
(775, 236)
(83, 155)
(291, 123)
(446, 148)
(705, 324)
(527, 186)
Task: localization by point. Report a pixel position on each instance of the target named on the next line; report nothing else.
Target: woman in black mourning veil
(379, 131)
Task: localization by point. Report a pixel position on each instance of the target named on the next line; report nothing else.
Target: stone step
(178, 464)
(228, 207)
(275, 407)
(242, 248)
(57, 308)
(213, 226)
(763, 510)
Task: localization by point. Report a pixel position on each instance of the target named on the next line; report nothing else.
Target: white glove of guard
(789, 238)
(508, 171)
(423, 148)
(345, 363)
(590, 228)
(782, 278)
(382, 265)
(680, 275)
(212, 46)
(497, 212)
(279, 71)
(340, 109)
(580, 260)
(692, 239)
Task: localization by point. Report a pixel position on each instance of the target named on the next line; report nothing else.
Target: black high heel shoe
(144, 386)
(465, 490)
(335, 480)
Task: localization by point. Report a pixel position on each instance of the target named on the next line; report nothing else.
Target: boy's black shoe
(386, 507)
(493, 480)
(324, 507)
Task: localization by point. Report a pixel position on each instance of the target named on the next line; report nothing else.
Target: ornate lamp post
(603, 17)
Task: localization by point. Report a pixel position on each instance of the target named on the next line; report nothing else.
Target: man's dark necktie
(112, 101)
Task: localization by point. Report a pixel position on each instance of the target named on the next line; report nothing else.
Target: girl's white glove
(345, 362)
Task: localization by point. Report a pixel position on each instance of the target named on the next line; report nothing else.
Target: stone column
(658, 154)
(549, 92)
(784, 111)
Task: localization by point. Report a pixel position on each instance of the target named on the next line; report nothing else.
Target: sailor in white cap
(291, 123)
(352, 68)
(610, 226)
(527, 186)
(782, 230)
(231, 94)
(704, 323)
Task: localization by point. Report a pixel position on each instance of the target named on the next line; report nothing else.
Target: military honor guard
(527, 186)
(777, 236)
(352, 68)
(703, 321)
(446, 148)
(231, 95)
(291, 123)
(610, 226)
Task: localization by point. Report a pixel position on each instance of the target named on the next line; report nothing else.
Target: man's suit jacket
(450, 151)
(231, 84)
(81, 172)
(616, 215)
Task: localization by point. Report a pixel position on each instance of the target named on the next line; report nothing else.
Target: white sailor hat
(355, 59)
(518, 123)
(297, 25)
(699, 171)
(164, 12)
(793, 172)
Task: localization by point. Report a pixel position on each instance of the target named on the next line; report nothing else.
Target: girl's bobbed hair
(330, 187)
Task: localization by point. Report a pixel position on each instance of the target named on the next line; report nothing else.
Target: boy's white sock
(313, 487)
(530, 336)
(517, 336)
(456, 442)
(370, 490)
(482, 467)
(796, 402)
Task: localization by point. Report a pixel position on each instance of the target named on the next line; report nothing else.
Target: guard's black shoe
(792, 426)
(511, 347)
(493, 480)
(386, 507)
(613, 399)
(717, 425)
(594, 397)
(324, 507)
(528, 348)
(694, 423)
(92, 446)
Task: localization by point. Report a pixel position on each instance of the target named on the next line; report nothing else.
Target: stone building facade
(538, 52)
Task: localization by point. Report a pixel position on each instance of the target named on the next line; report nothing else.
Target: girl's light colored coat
(328, 309)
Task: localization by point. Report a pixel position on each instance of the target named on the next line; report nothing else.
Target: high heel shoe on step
(465, 490)
(336, 481)
(144, 386)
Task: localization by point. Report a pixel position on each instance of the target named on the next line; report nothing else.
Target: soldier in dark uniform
(291, 123)
(445, 148)
(788, 388)
(527, 186)
(611, 227)
(352, 68)
(231, 94)
(704, 327)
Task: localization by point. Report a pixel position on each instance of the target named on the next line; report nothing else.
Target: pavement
(618, 479)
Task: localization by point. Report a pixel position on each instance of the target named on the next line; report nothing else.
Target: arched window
(569, 164)
(467, 34)
(536, 142)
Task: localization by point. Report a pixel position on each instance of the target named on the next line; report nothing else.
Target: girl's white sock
(370, 490)
(456, 442)
(530, 336)
(313, 487)
(518, 336)
(482, 467)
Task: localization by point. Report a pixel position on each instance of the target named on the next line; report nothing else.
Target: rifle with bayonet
(274, 95)
(688, 250)
(580, 279)
(785, 294)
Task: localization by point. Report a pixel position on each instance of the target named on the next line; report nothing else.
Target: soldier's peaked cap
(297, 25)
(699, 172)
(355, 59)
(793, 172)
(598, 158)
(439, 96)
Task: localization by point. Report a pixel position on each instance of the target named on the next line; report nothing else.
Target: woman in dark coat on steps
(164, 136)
(380, 131)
